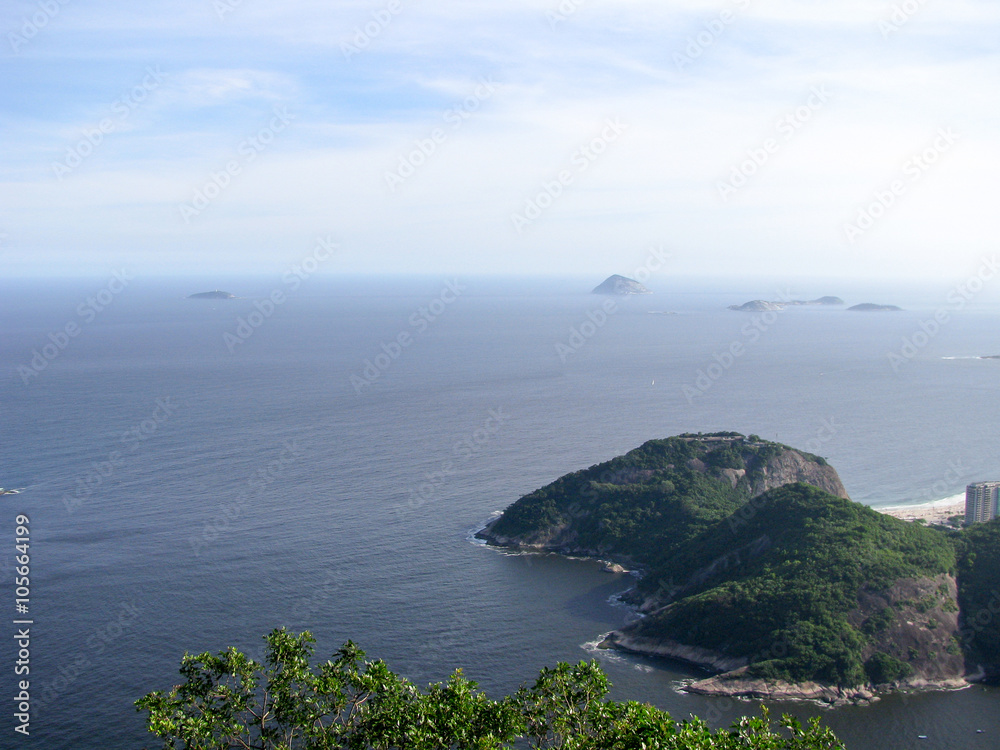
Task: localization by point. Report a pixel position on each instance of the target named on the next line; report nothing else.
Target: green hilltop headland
(757, 567)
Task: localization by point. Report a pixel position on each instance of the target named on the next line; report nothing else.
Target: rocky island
(760, 305)
(757, 305)
(620, 285)
(757, 567)
(217, 294)
(830, 300)
(872, 307)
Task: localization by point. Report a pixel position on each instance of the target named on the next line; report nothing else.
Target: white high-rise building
(981, 500)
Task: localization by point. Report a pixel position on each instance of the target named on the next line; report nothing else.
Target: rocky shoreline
(693, 655)
(737, 685)
(610, 563)
(732, 681)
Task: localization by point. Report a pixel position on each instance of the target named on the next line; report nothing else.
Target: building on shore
(981, 500)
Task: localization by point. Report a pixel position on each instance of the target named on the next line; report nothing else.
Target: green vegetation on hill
(644, 504)
(747, 563)
(979, 596)
(231, 701)
(781, 589)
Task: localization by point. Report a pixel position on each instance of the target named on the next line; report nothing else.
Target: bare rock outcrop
(791, 466)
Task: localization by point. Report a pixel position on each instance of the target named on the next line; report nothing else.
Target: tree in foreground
(231, 701)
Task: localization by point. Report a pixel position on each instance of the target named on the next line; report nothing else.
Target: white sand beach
(936, 512)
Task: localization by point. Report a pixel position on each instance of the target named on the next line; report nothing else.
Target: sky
(842, 139)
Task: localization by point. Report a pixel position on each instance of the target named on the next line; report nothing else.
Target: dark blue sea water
(189, 491)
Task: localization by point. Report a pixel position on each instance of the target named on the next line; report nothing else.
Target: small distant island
(757, 567)
(217, 294)
(872, 307)
(760, 305)
(820, 301)
(620, 285)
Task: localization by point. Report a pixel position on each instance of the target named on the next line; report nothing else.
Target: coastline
(730, 680)
(736, 685)
(727, 676)
(937, 512)
(725, 673)
(610, 563)
(694, 656)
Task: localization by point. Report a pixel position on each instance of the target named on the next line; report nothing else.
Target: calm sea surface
(191, 487)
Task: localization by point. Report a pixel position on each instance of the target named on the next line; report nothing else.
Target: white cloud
(687, 127)
(207, 87)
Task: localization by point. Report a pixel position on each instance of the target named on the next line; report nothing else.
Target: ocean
(319, 455)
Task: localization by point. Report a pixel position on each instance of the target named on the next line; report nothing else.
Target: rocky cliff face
(787, 467)
(915, 620)
(791, 466)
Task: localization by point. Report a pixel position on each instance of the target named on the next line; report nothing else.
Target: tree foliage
(979, 595)
(777, 586)
(647, 502)
(229, 701)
